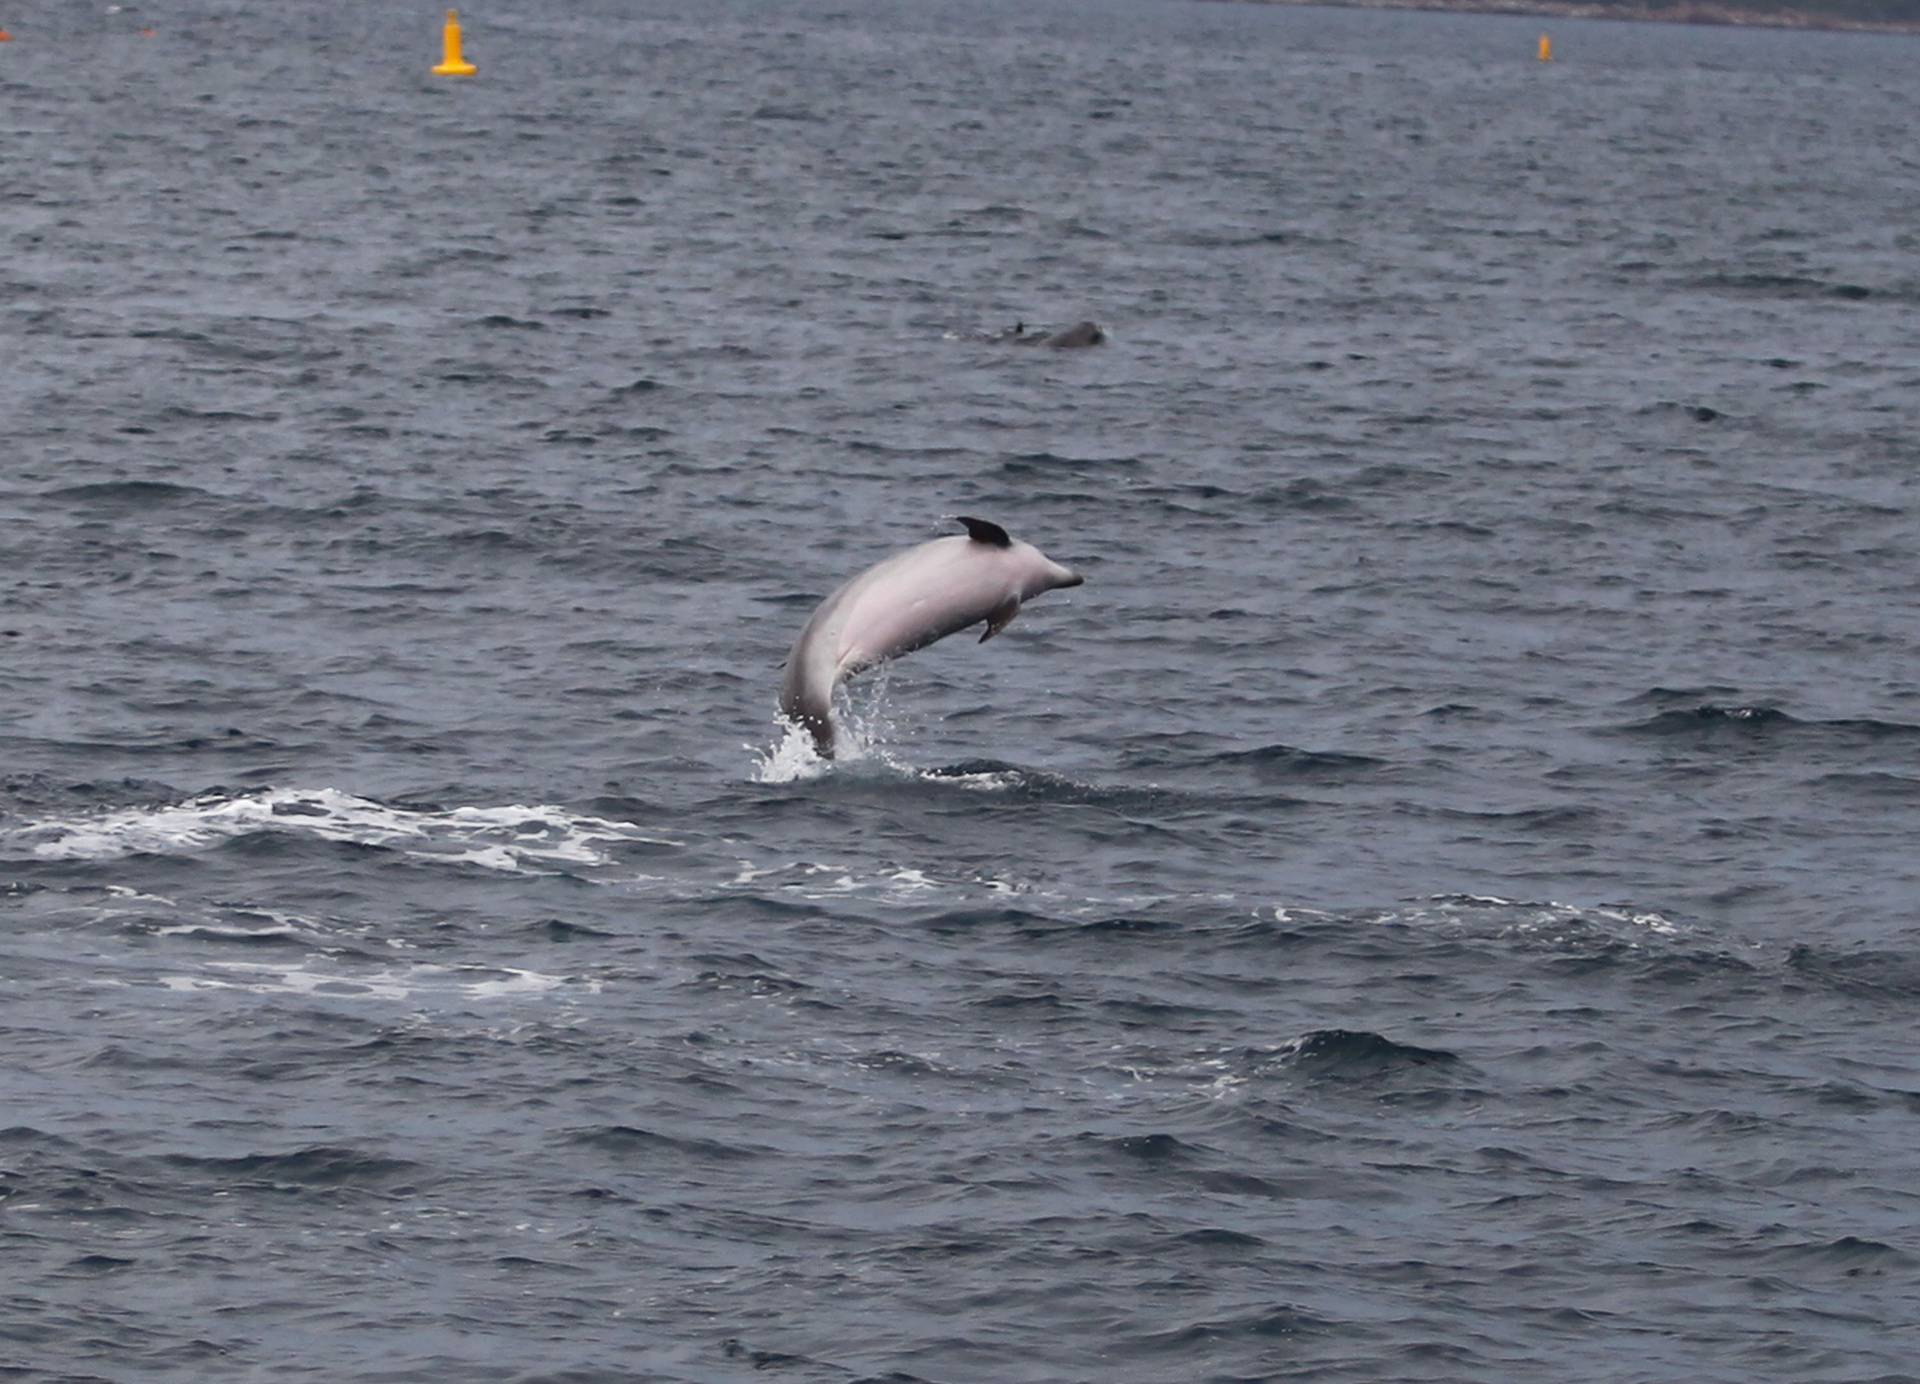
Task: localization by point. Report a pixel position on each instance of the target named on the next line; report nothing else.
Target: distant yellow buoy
(1546, 49)
(455, 63)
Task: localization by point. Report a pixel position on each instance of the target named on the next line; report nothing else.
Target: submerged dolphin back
(904, 603)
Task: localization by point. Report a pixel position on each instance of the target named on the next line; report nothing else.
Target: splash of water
(862, 731)
(789, 759)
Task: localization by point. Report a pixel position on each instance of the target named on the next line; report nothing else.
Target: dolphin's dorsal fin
(980, 531)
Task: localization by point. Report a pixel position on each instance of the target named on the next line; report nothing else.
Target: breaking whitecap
(511, 838)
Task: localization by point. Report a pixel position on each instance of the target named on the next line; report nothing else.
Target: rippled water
(1438, 903)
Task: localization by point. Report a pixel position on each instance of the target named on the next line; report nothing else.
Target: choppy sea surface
(1439, 902)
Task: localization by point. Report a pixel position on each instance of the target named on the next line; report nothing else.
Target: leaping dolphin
(905, 603)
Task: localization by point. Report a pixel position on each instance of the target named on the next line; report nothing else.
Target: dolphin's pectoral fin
(1000, 617)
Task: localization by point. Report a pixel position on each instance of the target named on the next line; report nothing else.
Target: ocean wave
(1357, 1054)
(1291, 763)
(1759, 719)
(319, 1165)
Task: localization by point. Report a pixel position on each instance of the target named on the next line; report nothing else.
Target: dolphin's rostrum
(905, 603)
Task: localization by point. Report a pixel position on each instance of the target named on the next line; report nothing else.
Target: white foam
(231, 934)
(411, 983)
(121, 891)
(521, 983)
(749, 872)
(487, 857)
(824, 879)
(285, 980)
(511, 837)
(1285, 914)
(985, 781)
(1522, 917)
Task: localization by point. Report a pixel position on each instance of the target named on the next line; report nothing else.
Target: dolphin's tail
(812, 713)
(820, 727)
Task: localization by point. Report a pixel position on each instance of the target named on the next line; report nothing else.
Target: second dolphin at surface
(905, 603)
(1067, 338)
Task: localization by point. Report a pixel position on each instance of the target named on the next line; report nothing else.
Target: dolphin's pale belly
(886, 624)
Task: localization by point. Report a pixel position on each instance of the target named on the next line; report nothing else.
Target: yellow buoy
(1546, 49)
(455, 63)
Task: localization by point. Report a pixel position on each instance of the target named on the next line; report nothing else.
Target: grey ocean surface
(1439, 903)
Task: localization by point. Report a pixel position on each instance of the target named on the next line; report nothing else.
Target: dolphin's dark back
(1079, 334)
